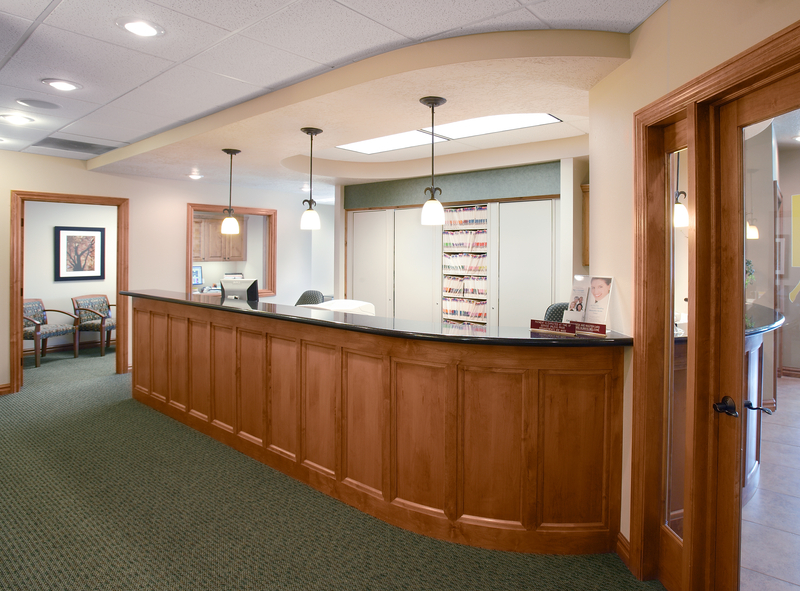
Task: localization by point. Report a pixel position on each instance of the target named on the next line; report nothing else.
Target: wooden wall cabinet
(210, 244)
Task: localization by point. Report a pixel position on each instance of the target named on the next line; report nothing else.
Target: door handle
(749, 406)
(727, 406)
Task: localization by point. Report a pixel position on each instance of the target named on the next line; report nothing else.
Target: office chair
(555, 312)
(311, 296)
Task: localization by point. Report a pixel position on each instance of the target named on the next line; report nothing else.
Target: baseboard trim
(790, 372)
(5, 389)
(624, 549)
(68, 347)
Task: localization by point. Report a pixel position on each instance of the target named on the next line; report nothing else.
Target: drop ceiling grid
(325, 32)
(29, 9)
(12, 28)
(619, 16)
(184, 36)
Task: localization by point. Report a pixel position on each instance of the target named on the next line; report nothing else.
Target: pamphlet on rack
(589, 301)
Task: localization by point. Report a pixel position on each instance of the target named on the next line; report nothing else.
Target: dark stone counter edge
(360, 323)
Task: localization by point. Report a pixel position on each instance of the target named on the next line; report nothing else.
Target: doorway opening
(18, 200)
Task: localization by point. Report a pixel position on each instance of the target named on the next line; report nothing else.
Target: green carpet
(98, 491)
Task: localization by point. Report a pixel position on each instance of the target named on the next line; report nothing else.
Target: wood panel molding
(520, 451)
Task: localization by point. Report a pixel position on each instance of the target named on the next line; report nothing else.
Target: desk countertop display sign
(589, 300)
(80, 253)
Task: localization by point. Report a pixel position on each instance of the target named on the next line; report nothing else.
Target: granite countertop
(410, 329)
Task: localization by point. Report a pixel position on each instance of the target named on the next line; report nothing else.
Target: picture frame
(80, 253)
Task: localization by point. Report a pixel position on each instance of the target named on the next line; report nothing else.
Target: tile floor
(771, 520)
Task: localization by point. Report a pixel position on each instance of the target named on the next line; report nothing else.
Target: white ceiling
(217, 53)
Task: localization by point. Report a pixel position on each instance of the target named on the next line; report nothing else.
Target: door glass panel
(678, 252)
(770, 186)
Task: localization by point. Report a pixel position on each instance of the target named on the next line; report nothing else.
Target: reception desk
(508, 440)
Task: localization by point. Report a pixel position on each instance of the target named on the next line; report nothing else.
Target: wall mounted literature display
(465, 262)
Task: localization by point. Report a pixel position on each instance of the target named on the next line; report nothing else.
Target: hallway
(771, 520)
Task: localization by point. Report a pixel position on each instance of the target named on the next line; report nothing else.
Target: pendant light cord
(433, 138)
(230, 188)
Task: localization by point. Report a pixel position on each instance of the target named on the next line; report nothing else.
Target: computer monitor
(239, 289)
(234, 276)
(197, 274)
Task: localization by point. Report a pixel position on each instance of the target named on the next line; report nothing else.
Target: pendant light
(432, 211)
(229, 224)
(680, 215)
(310, 218)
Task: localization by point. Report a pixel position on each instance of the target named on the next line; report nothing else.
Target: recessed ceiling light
(493, 124)
(140, 27)
(59, 84)
(398, 141)
(194, 176)
(16, 119)
(36, 104)
(305, 188)
(797, 139)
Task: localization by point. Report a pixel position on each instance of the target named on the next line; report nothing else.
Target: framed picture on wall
(80, 253)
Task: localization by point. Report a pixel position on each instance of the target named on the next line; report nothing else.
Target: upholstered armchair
(36, 328)
(94, 313)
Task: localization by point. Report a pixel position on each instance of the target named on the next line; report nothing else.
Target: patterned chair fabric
(311, 296)
(555, 312)
(36, 328)
(94, 313)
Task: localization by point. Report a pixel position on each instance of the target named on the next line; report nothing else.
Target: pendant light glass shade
(751, 231)
(680, 215)
(229, 224)
(432, 211)
(310, 218)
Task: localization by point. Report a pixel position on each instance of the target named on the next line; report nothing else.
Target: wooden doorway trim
(270, 246)
(710, 361)
(18, 199)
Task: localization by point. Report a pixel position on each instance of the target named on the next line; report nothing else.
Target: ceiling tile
(11, 30)
(96, 18)
(41, 120)
(20, 135)
(106, 71)
(620, 16)
(198, 90)
(421, 19)
(325, 32)
(68, 107)
(518, 20)
(110, 123)
(228, 15)
(29, 9)
(146, 100)
(266, 66)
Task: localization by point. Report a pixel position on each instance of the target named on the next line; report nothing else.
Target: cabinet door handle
(749, 406)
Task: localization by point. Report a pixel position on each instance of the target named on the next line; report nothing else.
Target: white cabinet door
(417, 267)
(372, 248)
(525, 265)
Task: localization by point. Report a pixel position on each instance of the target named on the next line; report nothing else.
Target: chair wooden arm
(36, 323)
(70, 314)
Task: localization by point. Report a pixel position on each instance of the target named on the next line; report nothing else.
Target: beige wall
(682, 40)
(157, 225)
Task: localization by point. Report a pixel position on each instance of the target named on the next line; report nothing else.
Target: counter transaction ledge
(510, 441)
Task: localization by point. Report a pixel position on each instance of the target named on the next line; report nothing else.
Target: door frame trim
(16, 271)
(698, 102)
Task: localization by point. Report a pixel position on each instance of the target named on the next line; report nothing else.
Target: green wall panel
(499, 183)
